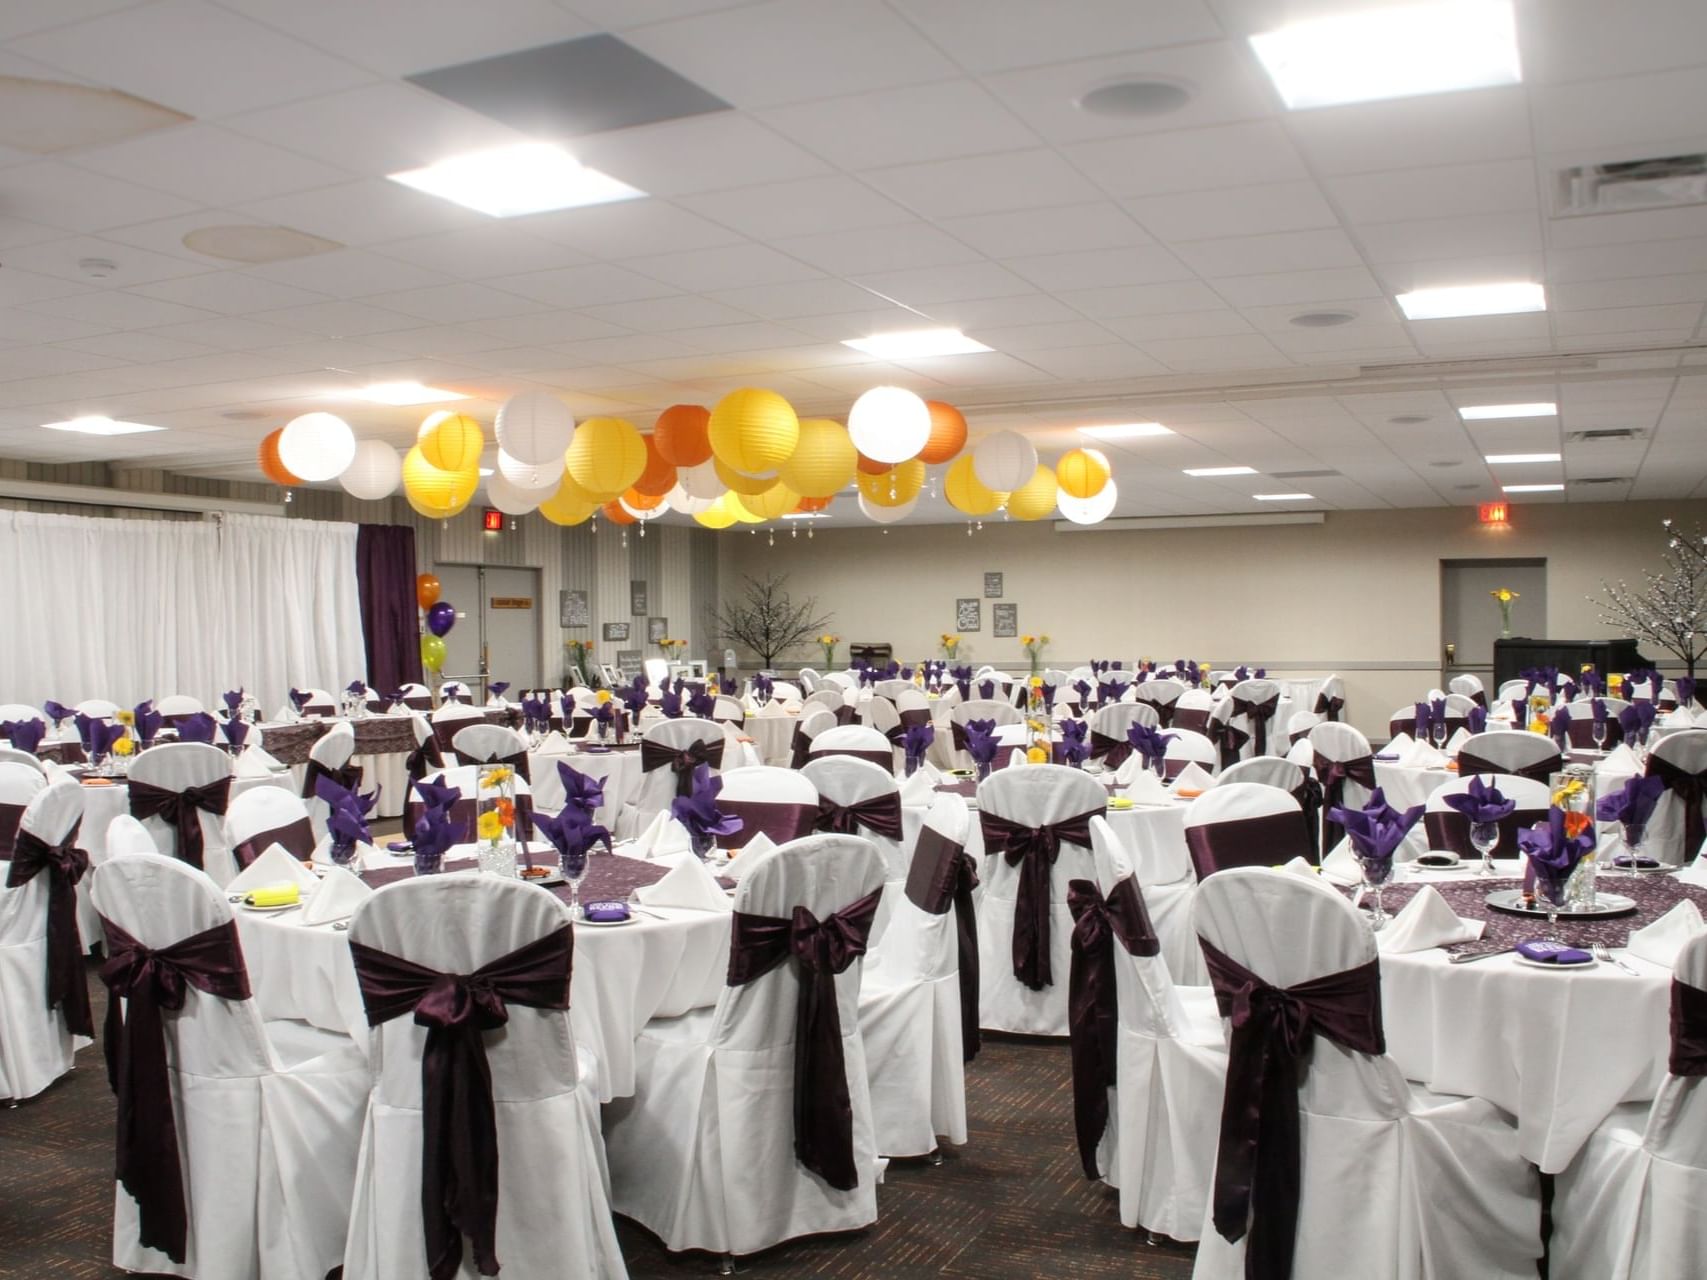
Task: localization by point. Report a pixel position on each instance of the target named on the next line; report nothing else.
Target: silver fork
(1600, 952)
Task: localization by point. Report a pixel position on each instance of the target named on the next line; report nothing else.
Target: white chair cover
(856, 740)
(1112, 722)
(1194, 710)
(451, 718)
(879, 713)
(11, 755)
(780, 803)
(1338, 744)
(1245, 824)
(890, 689)
(828, 697)
(1442, 822)
(1410, 1184)
(847, 780)
(1686, 751)
(1528, 754)
(1469, 686)
(267, 1113)
(658, 786)
(1190, 747)
(178, 766)
(126, 835)
(487, 743)
(702, 1154)
(977, 709)
(553, 1209)
(264, 816)
(332, 750)
(1242, 731)
(454, 691)
(178, 704)
(727, 710)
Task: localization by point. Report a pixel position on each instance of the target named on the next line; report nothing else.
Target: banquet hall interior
(907, 638)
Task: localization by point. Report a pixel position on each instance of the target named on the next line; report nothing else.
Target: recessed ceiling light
(1397, 52)
(405, 393)
(509, 181)
(1284, 497)
(1531, 488)
(1220, 471)
(96, 426)
(1484, 412)
(1126, 431)
(1511, 297)
(1322, 319)
(916, 343)
(1498, 459)
(1135, 99)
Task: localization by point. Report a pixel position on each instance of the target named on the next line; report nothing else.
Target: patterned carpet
(1011, 1203)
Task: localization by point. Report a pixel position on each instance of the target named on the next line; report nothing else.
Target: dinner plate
(1440, 861)
(1590, 963)
(267, 911)
(608, 924)
(1607, 905)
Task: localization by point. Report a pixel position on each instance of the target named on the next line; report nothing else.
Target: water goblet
(1635, 833)
(1597, 734)
(1484, 839)
(1437, 732)
(574, 869)
(1552, 890)
(1376, 872)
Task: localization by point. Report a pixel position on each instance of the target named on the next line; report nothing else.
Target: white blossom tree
(1667, 608)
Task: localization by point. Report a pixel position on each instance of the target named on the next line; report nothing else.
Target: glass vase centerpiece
(496, 824)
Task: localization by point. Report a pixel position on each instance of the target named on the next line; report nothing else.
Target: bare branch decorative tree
(1667, 610)
(768, 621)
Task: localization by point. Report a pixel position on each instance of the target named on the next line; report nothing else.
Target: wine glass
(1376, 872)
(1484, 839)
(1437, 732)
(1597, 734)
(574, 869)
(1552, 889)
(1634, 834)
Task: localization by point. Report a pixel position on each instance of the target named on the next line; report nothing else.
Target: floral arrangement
(495, 823)
(1034, 647)
(580, 656)
(1503, 596)
(949, 643)
(671, 648)
(827, 643)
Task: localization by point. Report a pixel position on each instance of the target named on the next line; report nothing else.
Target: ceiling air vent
(1660, 183)
(1300, 475)
(1598, 435)
(1600, 480)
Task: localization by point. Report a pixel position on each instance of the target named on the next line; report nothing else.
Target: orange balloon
(948, 433)
(660, 474)
(615, 514)
(683, 433)
(427, 590)
(872, 468)
(813, 504)
(271, 467)
(643, 501)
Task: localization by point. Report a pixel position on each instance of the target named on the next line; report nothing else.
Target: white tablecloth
(619, 769)
(773, 736)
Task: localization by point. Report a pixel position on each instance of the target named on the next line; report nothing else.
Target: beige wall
(1359, 594)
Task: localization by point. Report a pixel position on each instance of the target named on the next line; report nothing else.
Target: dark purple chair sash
(296, 838)
(1093, 1011)
(846, 714)
(427, 757)
(881, 814)
(1582, 732)
(800, 748)
(1258, 714)
(1329, 708)
(781, 822)
(1265, 841)
(182, 810)
(1308, 794)
(1194, 718)
(1113, 752)
(1449, 829)
(143, 984)
(1469, 762)
(419, 702)
(1034, 850)
(11, 816)
(1688, 1030)
(349, 777)
(517, 761)
(884, 760)
(1332, 775)
(914, 718)
(1257, 1161)
(943, 875)
(459, 1131)
(65, 864)
(1164, 710)
(823, 1109)
(1691, 792)
(462, 816)
(655, 755)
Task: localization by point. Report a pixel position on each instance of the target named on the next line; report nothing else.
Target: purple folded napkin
(25, 735)
(1560, 727)
(1546, 951)
(299, 699)
(634, 698)
(573, 836)
(57, 712)
(987, 688)
(1633, 803)
(1520, 712)
(1476, 720)
(233, 699)
(1151, 744)
(566, 705)
(581, 791)
(980, 740)
(1552, 854)
(698, 811)
(496, 687)
(1421, 715)
(199, 727)
(102, 735)
(670, 703)
(607, 912)
(1481, 804)
(356, 688)
(1083, 689)
(433, 834)
(701, 705)
(916, 739)
(85, 729)
(148, 722)
(1685, 691)
(1074, 749)
(437, 796)
(1378, 829)
(400, 846)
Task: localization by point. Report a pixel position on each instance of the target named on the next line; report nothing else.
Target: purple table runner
(610, 877)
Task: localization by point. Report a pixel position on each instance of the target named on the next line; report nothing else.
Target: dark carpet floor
(1011, 1203)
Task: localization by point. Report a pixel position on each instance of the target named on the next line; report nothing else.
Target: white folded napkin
(1426, 921)
(1456, 741)
(337, 898)
(1620, 760)
(772, 709)
(751, 852)
(1660, 941)
(1017, 756)
(274, 866)
(687, 884)
(1694, 871)
(1146, 787)
(54, 770)
(1397, 746)
(1299, 867)
(1194, 777)
(1341, 865)
(918, 790)
(1419, 755)
(255, 762)
(663, 836)
(1129, 769)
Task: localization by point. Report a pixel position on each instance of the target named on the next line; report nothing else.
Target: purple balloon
(441, 617)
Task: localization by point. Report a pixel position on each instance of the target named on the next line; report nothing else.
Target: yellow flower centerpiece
(827, 643)
(124, 746)
(126, 718)
(1503, 596)
(949, 644)
(491, 826)
(1034, 647)
(671, 648)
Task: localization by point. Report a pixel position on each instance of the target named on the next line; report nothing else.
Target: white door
(496, 636)
(1470, 617)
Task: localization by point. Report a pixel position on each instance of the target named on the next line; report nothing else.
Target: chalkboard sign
(637, 598)
(968, 615)
(657, 629)
(1004, 620)
(616, 631)
(993, 587)
(572, 610)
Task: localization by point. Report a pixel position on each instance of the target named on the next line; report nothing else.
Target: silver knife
(1465, 957)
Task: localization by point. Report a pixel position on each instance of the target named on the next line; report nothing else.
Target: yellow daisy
(123, 747)
(497, 776)
(490, 826)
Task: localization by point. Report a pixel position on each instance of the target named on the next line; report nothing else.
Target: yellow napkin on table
(275, 895)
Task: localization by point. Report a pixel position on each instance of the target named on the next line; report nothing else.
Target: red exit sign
(492, 520)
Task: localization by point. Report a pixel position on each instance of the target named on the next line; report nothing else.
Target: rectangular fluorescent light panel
(1513, 297)
(1220, 471)
(1485, 412)
(1500, 459)
(1126, 431)
(1397, 52)
(96, 426)
(405, 393)
(1532, 488)
(1284, 497)
(509, 181)
(806, 515)
(916, 343)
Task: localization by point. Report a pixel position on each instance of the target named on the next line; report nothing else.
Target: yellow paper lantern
(1034, 499)
(606, 456)
(772, 503)
(754, 431)
(1081, 474)
(823, 462)
(736, 482)
(896, 486)
(965, 493)
(451, 441)
(569, 505)
(434, 492)
(717, 515)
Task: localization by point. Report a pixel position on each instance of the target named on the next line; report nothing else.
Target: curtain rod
(94, 496)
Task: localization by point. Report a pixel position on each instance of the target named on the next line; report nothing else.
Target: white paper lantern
(701, 481)
(535, 427)
(317, 446)
(887, 515)
(511, 500)
(640, 514)
(889, 424)
(374, 472)
(1004, 461)
(528, 476)
(1092, 510)
(679, 499)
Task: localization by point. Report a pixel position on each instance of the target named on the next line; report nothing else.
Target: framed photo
(968, 615)
(657, 629)
(1004, 620)
(616, 632)
(637, 598)
(572, 609)
(993, 586)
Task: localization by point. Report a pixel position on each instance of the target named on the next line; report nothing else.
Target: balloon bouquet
(440, 618)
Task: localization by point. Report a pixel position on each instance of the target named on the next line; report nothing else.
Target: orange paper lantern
(683, 432)
(271, 467)
(613, 512)
(814, 504)
(870, 467)
(639, 501)
(948, 433)
(660, 474)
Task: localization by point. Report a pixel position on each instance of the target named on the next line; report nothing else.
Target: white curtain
(134, 609)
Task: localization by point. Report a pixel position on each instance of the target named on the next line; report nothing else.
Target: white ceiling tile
(1055, 336)
(1023, 232)
(856, 251)
(120, 309)
(1443, 191)
(349, 273)
(1586, 40)
(1639, 292)
(1437, 129)
(988, 369)
(1115, 360)
(773, 210)
(1240, 211)
(1282, 287)
(1484, 235)
(629, 229)
(633, 346)
(20, 17)
(341, 318)
(1020, 308)
(20, 326)
(62, 260)
(1628, 319)
(1237, 155)
(749, 335)
(362, 213)
(464, 299)
(488, 335)
(1625, 228)
(712, 152)
(1286, 251)
(210, 165)
(1182, 324)
(726, 267)
(1610, 262)
(583, 286)
(901, 126)
(20, 286)
(797, 298)
(922, 286)
(985, 184)
(1143, 300)
(54, 194)
(1101, 268)
(1367, 311)
(651, 315)
(229, 293)
(229, 333)
(1595, 115)
(138, 348)
(1246, 351)
(993, 35)
(1460, 269)
(163, 51)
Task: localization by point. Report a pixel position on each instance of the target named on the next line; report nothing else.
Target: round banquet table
(618, 767)
(668, 961)
(772, 735)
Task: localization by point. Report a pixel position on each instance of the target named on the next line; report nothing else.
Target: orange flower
(1576, 823)
(506, 812)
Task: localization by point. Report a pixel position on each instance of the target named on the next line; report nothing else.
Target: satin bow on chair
(1691, 792)
(142, 985)
(182, 809)
(1034, 850)
(655, 755)
(881, 814)
(1333, 775)
(1258, 714)
(348, 776)
(459, 1130)
(943, 875)
(823, 1108)
(426, 758)
(64, 864)
(1688, 1030)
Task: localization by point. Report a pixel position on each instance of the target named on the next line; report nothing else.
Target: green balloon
(432, 652)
